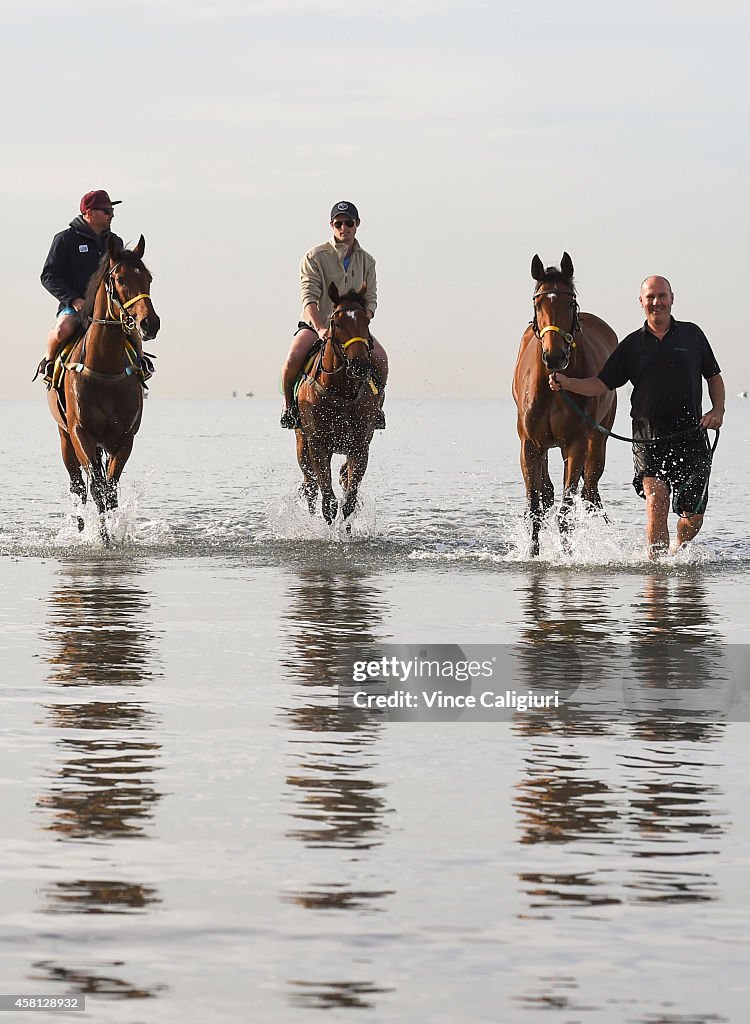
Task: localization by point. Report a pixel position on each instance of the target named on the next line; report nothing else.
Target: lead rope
(655, 440)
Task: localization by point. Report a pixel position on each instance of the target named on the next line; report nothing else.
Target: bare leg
(687, 528)
(60, 333)
(657, 511)
(298, 350)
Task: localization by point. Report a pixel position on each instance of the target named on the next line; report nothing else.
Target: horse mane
(123, 256)
(553, 275)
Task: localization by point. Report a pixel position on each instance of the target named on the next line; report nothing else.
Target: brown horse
(338, 404)
(103, 396)
(560, 338)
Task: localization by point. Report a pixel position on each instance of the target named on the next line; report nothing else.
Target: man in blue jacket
(73, 257)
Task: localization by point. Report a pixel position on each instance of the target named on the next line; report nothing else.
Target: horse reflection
(337, 800)
(96, 636)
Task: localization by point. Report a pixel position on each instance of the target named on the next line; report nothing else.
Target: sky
(470, 136)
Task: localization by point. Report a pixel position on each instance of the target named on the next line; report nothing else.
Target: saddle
(62, 366)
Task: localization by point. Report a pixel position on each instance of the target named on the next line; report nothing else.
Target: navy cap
(345, 209)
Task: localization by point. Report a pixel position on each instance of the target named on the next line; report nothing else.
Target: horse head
(349, 331)
(555, 320)
(127, 283)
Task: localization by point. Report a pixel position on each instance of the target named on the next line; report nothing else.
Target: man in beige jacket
(343, 262)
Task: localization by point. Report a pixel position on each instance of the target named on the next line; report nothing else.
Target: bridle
(567, 336)
(340, 347)
(126, 320)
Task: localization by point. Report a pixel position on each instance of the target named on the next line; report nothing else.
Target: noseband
(575, 327)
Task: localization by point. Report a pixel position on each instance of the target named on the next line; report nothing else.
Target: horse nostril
(149, 326)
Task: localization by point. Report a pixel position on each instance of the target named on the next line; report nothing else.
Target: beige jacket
(324, 264)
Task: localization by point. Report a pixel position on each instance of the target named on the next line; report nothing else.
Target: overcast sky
(471, 135)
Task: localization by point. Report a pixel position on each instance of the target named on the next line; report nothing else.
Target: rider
(73, 257)
(343, 262)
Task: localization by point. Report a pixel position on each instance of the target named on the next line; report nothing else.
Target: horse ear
(333, 293)
(363, 289)
(140, 248)
(566, 266)
(113, 246)
(537, 269)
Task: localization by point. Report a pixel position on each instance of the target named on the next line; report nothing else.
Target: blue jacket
(73, 257)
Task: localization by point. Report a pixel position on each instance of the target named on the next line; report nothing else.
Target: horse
(560, 337)
(338, 401)
(102, 396)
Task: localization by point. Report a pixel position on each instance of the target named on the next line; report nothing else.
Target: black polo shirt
(666, 376)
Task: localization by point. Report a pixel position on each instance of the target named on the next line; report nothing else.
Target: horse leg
(90, 458)
(356, 465)
(593, 469)
(547, 489)
(309, 487)
(320, 459)
(574, 455)
(115, 466)
(532, 460)
(73, 466)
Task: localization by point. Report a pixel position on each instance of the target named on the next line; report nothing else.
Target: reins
(656, 440)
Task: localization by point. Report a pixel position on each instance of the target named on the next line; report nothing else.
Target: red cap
(97, 200)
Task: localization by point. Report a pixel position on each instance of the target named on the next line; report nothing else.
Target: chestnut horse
(560, 338)
(103, 396)
(338, 403)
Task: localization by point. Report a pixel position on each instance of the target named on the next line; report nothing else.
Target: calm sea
(193, 830)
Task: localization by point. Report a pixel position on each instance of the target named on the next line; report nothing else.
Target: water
(194, 830)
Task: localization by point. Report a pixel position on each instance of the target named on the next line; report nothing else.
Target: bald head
(656, 298)
(656, 281)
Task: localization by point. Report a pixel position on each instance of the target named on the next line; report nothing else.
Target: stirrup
(45, 369)
(290, 419)
(380, 420)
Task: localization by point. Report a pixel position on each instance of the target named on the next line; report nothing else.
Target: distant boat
(249, 394)
(742, 394)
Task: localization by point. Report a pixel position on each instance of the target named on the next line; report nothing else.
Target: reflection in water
(655, 808)
(337, 802)
(98, 635)
(89, 981)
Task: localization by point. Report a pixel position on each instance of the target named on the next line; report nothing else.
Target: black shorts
(302, 326)
(684, 464)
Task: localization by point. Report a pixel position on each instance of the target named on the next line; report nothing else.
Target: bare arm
(312, 315)
(716, 392)
(590, 386)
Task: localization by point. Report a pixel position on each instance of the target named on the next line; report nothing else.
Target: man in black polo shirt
(666, 361)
